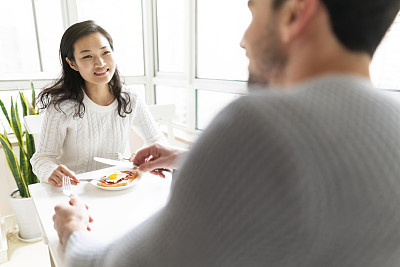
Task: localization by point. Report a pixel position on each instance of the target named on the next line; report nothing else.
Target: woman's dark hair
(69, 85)
(359, 24)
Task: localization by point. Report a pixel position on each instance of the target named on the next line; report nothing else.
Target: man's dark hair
(359, 24)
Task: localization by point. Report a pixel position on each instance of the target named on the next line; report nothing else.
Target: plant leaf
(22, 170)
(5, 111)
(23, 103)
(30, 150)
(14, 166)
(23, 163)
(33, 99)
(16, 125)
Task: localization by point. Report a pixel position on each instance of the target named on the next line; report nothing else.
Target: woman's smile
(101, 72)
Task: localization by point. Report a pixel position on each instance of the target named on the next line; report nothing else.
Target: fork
(66, 186)
(117, 155)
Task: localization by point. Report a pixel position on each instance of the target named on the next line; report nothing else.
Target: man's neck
(319, 64)
(318, 52)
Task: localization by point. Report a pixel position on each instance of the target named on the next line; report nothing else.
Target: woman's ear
(72, 64)
(296, 16)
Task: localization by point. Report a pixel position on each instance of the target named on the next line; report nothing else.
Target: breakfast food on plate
(118, 178)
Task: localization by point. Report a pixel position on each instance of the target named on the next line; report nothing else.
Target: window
(30, 37)
(184, 52)
(139, 89)
(170, 35)
(219, 33)
(209, 104)
(19, 50)
(385, 65)
(123, 21)
(174, 95)
(50, 30)
(214, 54)
(220, 63)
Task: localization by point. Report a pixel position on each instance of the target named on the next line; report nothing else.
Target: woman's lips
(101, 72)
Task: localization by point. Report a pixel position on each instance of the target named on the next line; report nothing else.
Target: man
(303, 174)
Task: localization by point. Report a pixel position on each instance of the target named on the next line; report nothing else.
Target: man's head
(357, 25)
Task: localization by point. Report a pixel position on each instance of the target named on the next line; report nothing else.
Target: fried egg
(116, 177)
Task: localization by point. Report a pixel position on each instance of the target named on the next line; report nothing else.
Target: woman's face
(93, 59)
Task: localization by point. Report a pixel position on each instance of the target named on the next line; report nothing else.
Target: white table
(114, 212)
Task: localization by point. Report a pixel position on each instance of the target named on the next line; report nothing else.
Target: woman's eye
(88, 56)
(106, 52)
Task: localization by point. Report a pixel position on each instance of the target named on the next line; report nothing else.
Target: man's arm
(70, 217)
(211, 201)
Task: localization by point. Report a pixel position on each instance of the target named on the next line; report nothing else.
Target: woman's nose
(99, 61)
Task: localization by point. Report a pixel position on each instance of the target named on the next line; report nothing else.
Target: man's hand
(57, 175)
(157, 156)
(70, 217)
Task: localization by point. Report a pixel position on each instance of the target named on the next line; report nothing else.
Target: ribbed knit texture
(74, 141)
(306, 178)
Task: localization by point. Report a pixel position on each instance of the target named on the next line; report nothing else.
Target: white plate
(133, 183)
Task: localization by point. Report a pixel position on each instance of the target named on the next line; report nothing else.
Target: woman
(89, 112)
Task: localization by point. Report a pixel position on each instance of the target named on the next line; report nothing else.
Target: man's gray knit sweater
(307, 177)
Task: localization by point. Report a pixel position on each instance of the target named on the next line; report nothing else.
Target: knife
(114, 162)
(126, 164)
(91, 179)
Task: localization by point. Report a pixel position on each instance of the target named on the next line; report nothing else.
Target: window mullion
(149, 45)
(190, 18)
(37, 35)
(69, 12)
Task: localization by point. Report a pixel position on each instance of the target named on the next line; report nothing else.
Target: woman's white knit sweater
(74, 141)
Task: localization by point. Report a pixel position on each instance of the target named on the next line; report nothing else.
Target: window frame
(189, 78)
(152, 77)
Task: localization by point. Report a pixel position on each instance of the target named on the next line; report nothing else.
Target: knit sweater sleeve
(178, 235)
(144, 123)
(54, 129)
(306, 179)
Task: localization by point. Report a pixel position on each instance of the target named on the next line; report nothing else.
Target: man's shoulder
(324, 99)
(332, 89)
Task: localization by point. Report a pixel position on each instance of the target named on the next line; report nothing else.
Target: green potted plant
(21, 167)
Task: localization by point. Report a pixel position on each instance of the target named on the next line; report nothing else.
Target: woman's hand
(57, 175)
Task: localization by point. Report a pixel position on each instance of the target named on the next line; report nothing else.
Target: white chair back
(33, 124)
(164, 114)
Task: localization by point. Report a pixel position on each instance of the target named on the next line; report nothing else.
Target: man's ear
(72, 64)
(295, 16)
